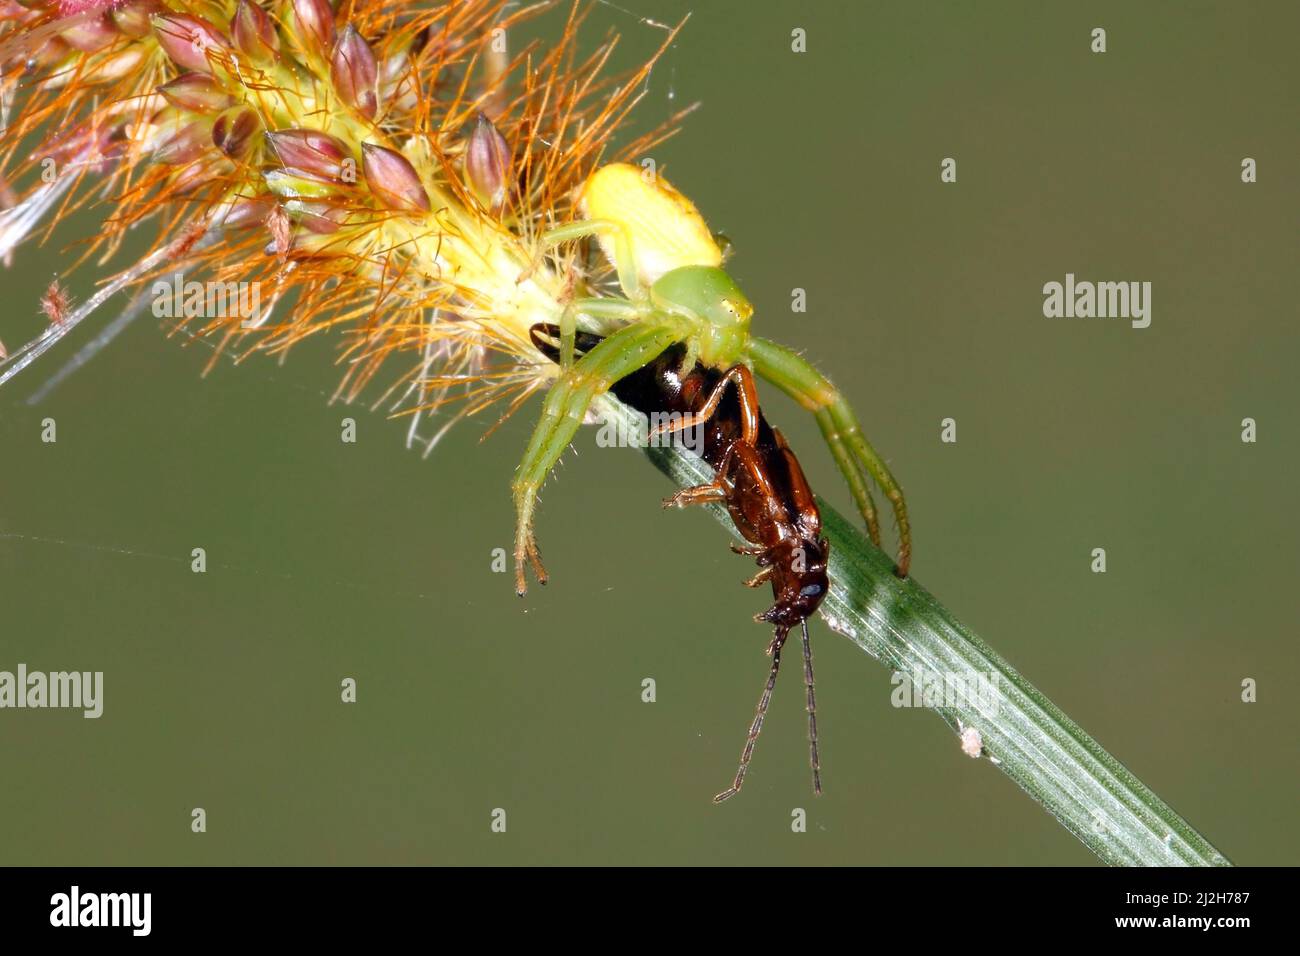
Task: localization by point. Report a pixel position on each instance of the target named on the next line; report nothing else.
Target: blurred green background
(329, 560)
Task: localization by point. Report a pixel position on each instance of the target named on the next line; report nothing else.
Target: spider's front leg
(610, 310)
(565, 407)
(856, 459)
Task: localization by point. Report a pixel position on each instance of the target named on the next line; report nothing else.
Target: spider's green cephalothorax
(711, 299)
(674, 291)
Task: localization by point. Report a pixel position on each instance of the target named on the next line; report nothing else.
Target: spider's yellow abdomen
(663, 227)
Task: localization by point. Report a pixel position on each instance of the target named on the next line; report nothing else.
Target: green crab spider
(668, 267)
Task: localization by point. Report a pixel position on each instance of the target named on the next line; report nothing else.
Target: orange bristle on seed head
(382, 172)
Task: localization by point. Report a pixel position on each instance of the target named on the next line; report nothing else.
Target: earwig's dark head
(799, 581)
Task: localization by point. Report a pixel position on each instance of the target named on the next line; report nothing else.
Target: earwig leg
(758, 580)
(756, 727)
(749, 552)
(813, 757)
(853, 453)
(743, 379)
(562, 412)
(715, 490)
(697, 495)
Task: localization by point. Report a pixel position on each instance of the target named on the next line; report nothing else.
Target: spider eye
(738, 310)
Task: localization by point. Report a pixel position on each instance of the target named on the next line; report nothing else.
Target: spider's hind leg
(856, 459)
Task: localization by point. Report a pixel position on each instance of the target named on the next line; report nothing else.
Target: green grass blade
(1028, 738)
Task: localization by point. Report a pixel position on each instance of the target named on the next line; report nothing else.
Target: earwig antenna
(812, 712)
(757, 726)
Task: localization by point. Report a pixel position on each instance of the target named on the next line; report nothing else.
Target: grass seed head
(344, 160)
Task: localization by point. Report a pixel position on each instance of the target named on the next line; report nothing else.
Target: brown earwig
(758, 479)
